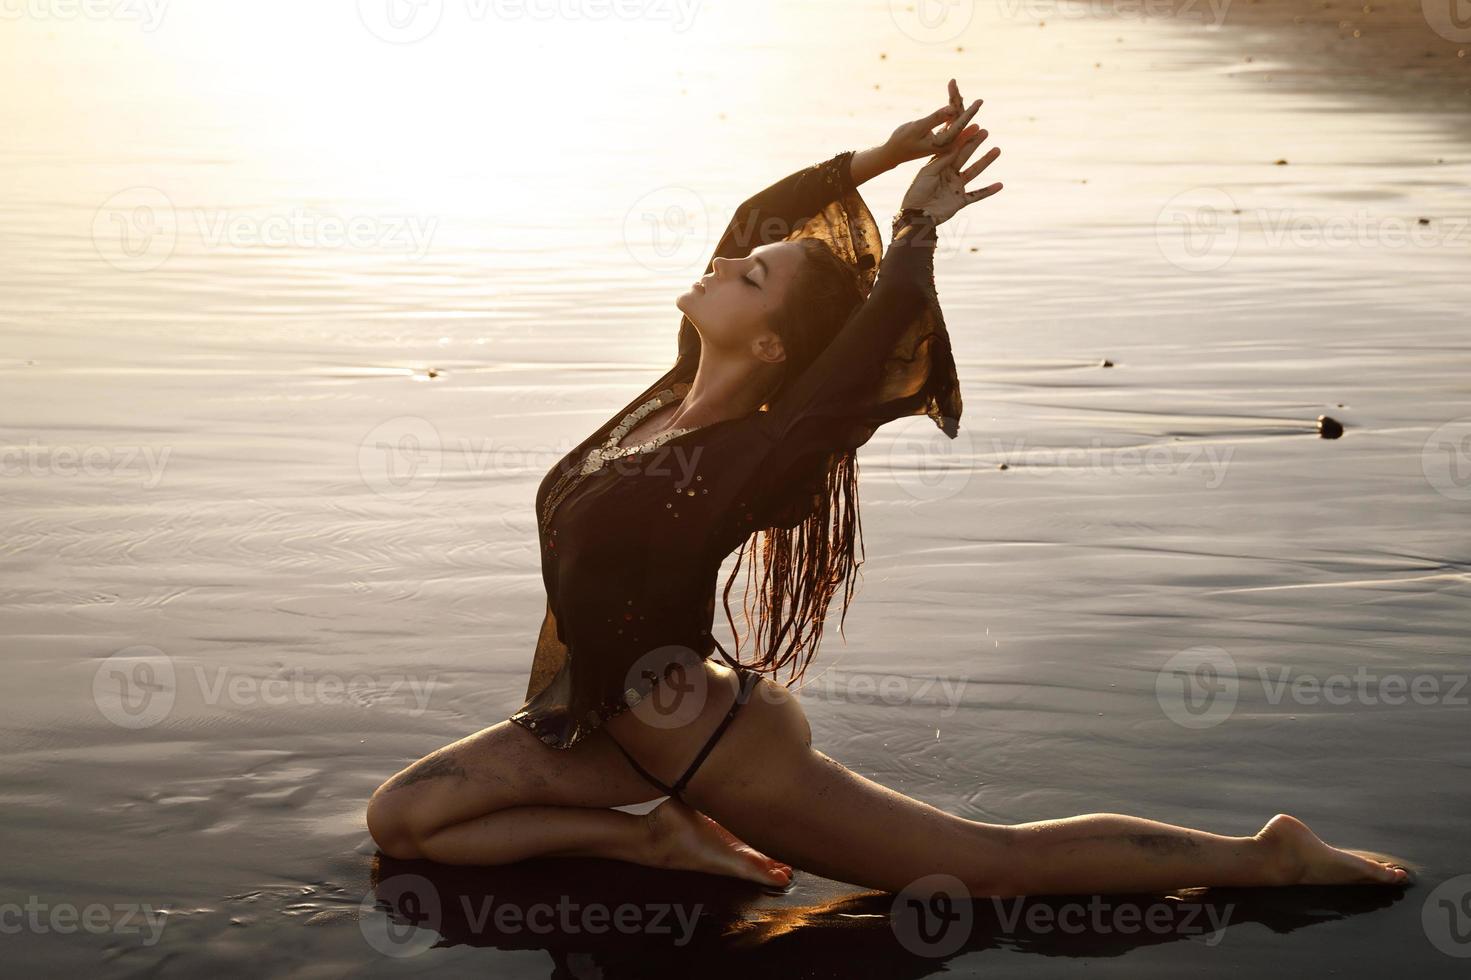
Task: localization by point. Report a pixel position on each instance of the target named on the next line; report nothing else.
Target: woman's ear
(768, 348)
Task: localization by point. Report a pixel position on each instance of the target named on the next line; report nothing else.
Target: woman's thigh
(506, 766)
(766, 785)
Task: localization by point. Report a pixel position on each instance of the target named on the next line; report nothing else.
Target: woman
(790, 357)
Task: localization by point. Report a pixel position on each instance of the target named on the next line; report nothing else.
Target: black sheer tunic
(631, 551)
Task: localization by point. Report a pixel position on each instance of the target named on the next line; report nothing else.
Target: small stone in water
(1106, 363)
(1329, 427)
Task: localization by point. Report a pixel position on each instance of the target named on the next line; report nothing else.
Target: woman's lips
(698, 284)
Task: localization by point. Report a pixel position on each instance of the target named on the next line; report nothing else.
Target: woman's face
(732, 305)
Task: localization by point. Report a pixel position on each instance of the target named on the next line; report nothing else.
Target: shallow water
(196, 483)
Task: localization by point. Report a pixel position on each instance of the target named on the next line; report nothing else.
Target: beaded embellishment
(600, 455)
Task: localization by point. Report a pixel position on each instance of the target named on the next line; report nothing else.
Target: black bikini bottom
(748, 680)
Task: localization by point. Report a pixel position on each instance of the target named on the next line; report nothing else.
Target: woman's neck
(720, 390)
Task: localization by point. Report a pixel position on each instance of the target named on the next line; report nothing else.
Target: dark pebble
(1329, 427)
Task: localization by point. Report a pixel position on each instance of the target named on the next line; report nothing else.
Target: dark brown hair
(795, 568)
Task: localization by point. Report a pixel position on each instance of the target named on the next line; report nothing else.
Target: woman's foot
(685, 839)
(1303, 858)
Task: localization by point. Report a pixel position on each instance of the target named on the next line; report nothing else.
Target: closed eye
(751, 281)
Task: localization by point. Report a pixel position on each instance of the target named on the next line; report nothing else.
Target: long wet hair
(794, 568)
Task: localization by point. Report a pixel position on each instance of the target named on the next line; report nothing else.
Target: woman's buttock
(667, 730)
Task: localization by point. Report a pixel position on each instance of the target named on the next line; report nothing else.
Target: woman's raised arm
(773, 213)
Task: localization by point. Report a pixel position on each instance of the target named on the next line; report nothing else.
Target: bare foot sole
(687, 840)
(1305, 859)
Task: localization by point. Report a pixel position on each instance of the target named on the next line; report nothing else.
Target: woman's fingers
(970, 172)
(965, 149)
(947, 138)
(980, 195)
(938, 116)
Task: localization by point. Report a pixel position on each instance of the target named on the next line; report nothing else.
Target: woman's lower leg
(1111, 852)
(522, 832)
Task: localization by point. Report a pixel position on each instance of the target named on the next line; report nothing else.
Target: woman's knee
(408, 808)
(390, 823)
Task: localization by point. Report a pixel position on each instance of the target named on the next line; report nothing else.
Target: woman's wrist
(869, 163)
(914, 224)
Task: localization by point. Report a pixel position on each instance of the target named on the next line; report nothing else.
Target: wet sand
(230, 612)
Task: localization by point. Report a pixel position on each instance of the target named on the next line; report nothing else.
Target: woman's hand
(917, 139)
(939, 187)
(913, 140)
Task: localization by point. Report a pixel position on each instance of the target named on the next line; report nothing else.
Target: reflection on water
(295, 317)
